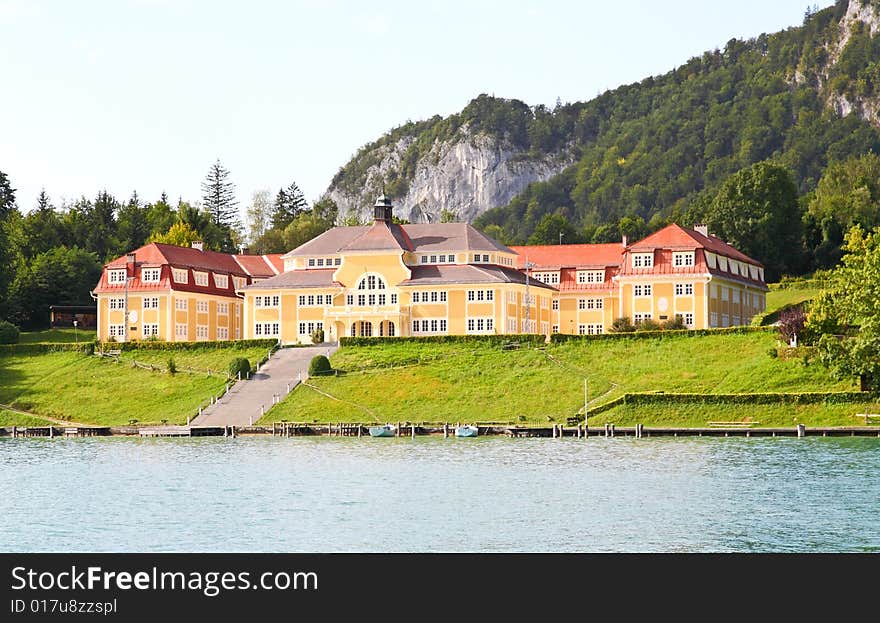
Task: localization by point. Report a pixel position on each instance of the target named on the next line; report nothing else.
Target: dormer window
(683, 258)
(180, 275)
(200, 279)
(643, 260)
(115, 276)
(150, 275)
(221, 281)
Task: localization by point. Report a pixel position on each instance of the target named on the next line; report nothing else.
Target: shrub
(791, 323)
(9, 333)
(239, 365)
(648, 325)
(172, 367)
(622, 325)
(319, 365)
(676, 324)
(773, 353)
(89, 348)
(317, 336)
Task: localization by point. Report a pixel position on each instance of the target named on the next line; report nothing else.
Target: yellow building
(389, 280)
(673, 273)
(171, 293)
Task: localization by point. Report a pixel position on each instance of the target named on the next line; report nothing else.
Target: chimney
(130, 264)
(198, 245)
(624, 240)
(382, 210)
(702, 229)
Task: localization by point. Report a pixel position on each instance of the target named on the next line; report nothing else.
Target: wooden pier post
(14, 432)
(359, 430)
(445, 430)
(801, 430)
(586, 429)
(578, 431)
(51, 432)
(412, 429)
(397, 430)
(612, 430)
(606, 429)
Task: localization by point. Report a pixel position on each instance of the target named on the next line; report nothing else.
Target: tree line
(53, 254)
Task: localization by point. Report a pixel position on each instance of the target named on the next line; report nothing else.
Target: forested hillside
(663, 149)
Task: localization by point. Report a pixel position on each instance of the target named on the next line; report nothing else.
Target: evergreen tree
(289, 203)
(7, 196)
(133, 226)
(218, 196)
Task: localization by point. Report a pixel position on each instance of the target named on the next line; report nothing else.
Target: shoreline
(409, 430)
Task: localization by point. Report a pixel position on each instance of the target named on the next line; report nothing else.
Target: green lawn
(88, 389)
(777, 299)
(56, 335)
(11, 418)
(477, 382)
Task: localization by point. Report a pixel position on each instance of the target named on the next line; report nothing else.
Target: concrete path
(241, 406)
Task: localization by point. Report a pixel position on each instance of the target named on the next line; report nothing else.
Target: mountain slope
(803, 97)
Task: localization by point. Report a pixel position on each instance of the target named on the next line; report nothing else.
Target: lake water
(431, 494)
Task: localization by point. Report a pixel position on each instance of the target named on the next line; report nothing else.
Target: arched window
(371, 282)
(390, 329)
(353, 329)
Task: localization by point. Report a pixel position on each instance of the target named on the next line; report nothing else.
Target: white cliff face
(858, 11)
(467, 176)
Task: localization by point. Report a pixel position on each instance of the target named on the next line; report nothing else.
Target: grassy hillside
(55, 336)
(479, 382)
(87, 389)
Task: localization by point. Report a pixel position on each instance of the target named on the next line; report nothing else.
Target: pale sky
(146, 94)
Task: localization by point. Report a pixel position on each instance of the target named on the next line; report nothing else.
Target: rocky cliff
(465, 175)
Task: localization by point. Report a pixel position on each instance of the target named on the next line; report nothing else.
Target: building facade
(389, 280)
(171, 293)
(675, 273)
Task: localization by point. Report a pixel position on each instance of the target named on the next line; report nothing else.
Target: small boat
(387, 430)
(466, 430)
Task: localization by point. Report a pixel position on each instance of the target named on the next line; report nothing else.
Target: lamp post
(561, 234)
(75, 338)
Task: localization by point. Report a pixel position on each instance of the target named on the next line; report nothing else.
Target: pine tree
(218, 196)
(7, 196)
(289, 203)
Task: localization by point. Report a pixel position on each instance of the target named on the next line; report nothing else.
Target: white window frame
(180, 275)
(221, 281)
(684, 289)
(642, 290)
(200, 278)
(643, 260)
(681, 259)
(116, 275)
(151, 330)
(181, 304)
(151, 275)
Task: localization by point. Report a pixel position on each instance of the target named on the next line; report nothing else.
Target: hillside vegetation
(480, 382)
(76, 387)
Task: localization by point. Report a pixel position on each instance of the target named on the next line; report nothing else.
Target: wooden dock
(446, 430)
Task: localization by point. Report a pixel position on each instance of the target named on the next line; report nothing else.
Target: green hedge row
(42, 349)
(178, 346)
(747, 399)
(446, 339)
(558, 338)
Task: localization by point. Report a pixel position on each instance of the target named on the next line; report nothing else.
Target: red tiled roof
(316, 278)
(381, 237)
(167, 256)
(556, 256)
(467, 273)
(260, 266)
(677, 237)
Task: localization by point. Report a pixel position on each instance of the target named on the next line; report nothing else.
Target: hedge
(42, 349)
(558, 338)
(171, 346)
(747, 399)
(445, 339)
